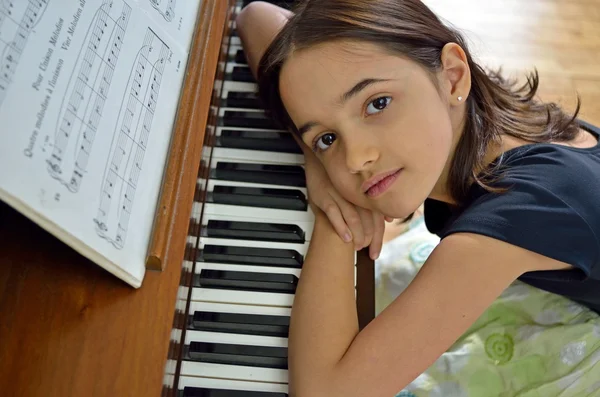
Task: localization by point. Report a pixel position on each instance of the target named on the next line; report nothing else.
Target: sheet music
(88, 95)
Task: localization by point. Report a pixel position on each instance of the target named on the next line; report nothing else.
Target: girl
(392, 111)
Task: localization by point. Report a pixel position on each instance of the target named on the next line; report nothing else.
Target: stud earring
(459, 99)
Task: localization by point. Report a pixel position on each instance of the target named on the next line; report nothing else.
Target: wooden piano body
(69, 328)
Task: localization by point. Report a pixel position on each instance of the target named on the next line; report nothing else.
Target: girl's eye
(378, 104)
(324, 142)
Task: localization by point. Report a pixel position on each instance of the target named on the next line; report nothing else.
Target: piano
(214, 322)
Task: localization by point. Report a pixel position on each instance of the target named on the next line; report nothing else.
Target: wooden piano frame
(69, 328)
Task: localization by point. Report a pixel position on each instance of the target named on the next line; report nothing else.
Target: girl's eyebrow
(358, 87)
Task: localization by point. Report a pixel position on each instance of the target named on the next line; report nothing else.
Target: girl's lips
(383, 185)
(376, 179)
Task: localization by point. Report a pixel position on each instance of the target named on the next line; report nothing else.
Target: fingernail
(347, 237)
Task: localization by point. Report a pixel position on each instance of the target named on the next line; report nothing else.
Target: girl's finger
(377, 241)
(334, 215)
(366, 217)
(351, 217)
(388, 219)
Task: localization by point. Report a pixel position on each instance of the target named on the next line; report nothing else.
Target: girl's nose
(360, 155)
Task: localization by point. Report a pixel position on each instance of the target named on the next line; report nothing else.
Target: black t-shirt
(552, 208)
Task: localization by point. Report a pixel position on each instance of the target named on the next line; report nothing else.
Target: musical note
(126, 160)
(83, 103)
(14, 37)
(166, 8)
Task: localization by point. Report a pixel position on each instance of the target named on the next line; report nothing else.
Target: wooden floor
(561, 38)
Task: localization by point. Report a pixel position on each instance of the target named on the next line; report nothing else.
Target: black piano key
(189, 391)
(233, 118)
(272, 174)
(287, 199)
(247, 355)
(270, 141)
(242, 99)
(240, 57)
(288, 4)
(242, 73)
(275, 232)
(238, 323)
(246, 281)
(252, 256)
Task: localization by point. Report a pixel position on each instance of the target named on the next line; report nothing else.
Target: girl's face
(366, 114)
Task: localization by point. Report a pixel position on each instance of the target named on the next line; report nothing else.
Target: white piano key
(258, 155)
(233, 49)
(260, 213)
(236, 41)
(243, 86)
(231, 65)
(235, 372)
(230, 384)
(236, 267)
(224, 109)
(242, 297)
(234, 339)
(253, 160)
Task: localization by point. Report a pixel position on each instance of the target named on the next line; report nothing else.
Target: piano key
(268, 247)
(305, 226)
(236, 323)
(233, 50)
(204, 392)
(287, 199)
(238, 297)
(235, 339)
(234, 372)
(235, 41)
(245, 355)
(288, 4)
(237, 86)
(212, 183)
(240, 73)
(255, 119)
(246, 281)
(241, 99)
(229, 384)
(260, 213)
(240, 56)
(274, 141)
(241, 309)
(251, 255)
(273, 174)
(269, 302)
(275, 232)
(258, 156)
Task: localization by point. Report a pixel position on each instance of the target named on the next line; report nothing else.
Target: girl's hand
(351, 223)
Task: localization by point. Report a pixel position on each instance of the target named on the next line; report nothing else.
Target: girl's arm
(328, 357)
(257, 26)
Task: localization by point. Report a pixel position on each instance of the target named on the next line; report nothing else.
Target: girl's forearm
(257, 25)
(324, 319)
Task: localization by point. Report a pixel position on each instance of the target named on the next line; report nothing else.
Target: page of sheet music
(88, 95)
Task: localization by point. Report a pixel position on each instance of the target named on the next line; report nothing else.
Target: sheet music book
(88, 97)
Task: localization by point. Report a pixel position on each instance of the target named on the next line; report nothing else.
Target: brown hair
(495, 106)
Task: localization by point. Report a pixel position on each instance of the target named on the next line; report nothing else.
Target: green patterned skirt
(528, 343)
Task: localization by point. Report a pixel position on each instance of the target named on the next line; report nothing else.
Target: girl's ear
(456, 74)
